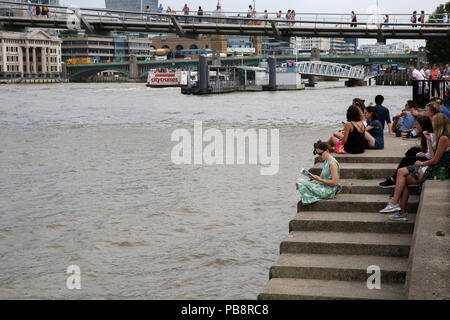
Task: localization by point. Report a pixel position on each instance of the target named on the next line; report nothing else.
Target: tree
(68, 33)
(439, 50)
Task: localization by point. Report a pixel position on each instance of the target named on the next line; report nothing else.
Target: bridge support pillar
(272, 75)
(134, 73)
(203, 73)
(315, 56)
(355, 83)
(422, 59)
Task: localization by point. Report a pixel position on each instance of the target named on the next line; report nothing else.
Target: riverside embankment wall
(428, 274)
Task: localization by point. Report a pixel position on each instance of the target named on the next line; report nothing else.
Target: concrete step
(369, 187)
(307, 289)
(350, 222)
(355, 170)
(370, 244)
(354, 158)
(357, 203)
(338, 267)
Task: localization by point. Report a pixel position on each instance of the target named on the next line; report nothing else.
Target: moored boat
(167, 79)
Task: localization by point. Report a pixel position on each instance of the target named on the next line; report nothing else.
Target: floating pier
(217, 79)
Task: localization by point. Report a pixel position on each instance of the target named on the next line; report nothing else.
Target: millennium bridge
(103, 21)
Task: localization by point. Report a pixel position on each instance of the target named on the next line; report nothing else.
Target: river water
(86, 179)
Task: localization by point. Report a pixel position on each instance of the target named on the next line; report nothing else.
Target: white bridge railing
(328, 69)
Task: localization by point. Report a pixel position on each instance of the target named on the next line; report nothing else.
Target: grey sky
(337, 6)
(318, 6)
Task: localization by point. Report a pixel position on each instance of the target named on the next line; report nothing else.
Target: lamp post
(378, 15)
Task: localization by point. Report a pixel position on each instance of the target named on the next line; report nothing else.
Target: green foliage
(364, 175)
(68, 33)
(439, 50)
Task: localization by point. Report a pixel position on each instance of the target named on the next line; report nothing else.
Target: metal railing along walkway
(103, 21)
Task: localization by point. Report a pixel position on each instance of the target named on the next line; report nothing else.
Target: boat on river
(175, 79)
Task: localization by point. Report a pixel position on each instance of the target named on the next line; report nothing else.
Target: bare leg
(403, 181)
(404, 200)
(333, 141)
(400, 184)
(370, 139)
(338, 135)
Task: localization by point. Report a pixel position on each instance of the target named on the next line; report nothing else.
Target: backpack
(412, 19)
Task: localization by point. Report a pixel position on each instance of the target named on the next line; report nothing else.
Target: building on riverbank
(336, 46)
(29, 55)
(119, 48)
(134, 5)
(106, 49)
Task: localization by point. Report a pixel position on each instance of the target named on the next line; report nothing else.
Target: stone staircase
(332, 243)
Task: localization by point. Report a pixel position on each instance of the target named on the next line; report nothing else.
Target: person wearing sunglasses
(325, 186)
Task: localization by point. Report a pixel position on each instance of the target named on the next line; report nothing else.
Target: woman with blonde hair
(422, 170)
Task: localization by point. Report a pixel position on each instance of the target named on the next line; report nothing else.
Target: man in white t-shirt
(446, 73)
(417, 75)
(423, 71)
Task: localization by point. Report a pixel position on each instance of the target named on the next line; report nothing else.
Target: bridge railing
(424, 90)
(314, 20)
(330, 69)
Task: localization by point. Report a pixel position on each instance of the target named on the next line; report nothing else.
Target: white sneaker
(391, 208)
(398, 217)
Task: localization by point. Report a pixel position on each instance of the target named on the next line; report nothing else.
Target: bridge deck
(192, 29)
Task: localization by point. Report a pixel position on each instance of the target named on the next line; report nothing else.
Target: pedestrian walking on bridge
(414, 18)
(200, 13)
(354, 19)
(186, 12)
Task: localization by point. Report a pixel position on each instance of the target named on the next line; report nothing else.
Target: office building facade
(106, 49)
(396, 48)
(29, 55)
(132, 5)
(335, 46)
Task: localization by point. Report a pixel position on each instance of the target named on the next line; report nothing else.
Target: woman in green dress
(327, 185)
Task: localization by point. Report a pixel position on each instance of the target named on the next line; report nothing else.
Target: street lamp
(378, 22)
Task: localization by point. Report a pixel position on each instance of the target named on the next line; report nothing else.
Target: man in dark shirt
(383, 113)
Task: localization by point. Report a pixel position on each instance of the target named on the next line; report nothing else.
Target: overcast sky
(318, 6)
(337, 6)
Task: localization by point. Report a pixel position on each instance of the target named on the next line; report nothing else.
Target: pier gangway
(329, 69)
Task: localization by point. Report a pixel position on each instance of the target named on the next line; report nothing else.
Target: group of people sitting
(364, 129)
